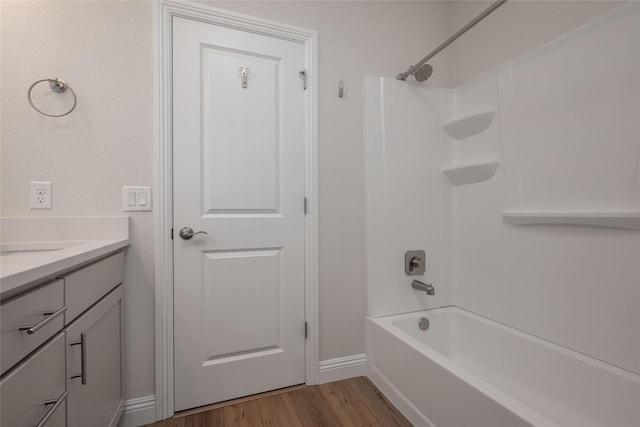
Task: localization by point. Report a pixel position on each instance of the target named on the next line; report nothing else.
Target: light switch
(136, 199)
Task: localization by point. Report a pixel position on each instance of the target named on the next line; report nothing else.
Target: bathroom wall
(103, 50)
(355, 38)
(408, 198)
(515, 28)
(567, 137)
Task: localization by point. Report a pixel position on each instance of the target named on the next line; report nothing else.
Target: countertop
(61, 244)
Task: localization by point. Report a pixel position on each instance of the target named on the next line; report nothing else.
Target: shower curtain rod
(490, 9)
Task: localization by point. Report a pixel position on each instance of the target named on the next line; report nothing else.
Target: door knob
(187, 233)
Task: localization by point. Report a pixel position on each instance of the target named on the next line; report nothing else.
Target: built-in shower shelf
(469, 125)
(613, 219)
(471, 173)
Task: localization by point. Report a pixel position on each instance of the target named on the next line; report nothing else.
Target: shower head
(423, 73)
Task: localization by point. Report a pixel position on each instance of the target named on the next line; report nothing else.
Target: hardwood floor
(355, 402)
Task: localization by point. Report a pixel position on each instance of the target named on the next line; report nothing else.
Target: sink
(33, 247)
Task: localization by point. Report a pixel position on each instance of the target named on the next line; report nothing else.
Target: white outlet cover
(136, 199)
(40, 194)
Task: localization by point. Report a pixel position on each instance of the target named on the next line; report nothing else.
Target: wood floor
(355, 402)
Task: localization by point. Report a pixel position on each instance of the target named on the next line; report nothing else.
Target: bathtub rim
(387, 322)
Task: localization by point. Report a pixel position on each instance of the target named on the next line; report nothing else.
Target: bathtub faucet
(427, 287)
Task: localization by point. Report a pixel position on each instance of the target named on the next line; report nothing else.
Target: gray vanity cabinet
(94, 364)
(62, 350)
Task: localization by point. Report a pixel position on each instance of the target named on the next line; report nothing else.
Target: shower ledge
(629, 220)
(471, 173)
(469, 125)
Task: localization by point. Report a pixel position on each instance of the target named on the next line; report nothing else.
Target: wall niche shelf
(471, 173)
(469, 125)
(629, 220)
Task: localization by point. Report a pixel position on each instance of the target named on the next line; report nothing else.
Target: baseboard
(139, 411)
(342, 368)
(142, 410)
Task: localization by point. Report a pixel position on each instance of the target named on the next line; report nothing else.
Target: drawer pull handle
(44, 322)
(56, 404)
(83, 357)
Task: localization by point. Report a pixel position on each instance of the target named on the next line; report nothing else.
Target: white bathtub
(469, 371)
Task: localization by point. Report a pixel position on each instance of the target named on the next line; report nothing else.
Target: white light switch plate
(136, 199)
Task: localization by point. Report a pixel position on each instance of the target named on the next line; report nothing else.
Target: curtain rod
(490, 9)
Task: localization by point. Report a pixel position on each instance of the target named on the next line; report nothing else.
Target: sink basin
(33, 247)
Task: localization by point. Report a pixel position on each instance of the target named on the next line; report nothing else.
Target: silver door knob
(187, 233)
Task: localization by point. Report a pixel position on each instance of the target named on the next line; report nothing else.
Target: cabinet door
(95, 364)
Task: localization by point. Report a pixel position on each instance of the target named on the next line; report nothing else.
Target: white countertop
(35, 249)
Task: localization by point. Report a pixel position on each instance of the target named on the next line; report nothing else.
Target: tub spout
(427, 287)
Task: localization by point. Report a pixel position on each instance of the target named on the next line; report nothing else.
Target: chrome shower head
(423, 73)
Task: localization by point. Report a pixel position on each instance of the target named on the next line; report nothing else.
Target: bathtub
(469, 371)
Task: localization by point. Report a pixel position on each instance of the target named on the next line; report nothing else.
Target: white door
(238, 153)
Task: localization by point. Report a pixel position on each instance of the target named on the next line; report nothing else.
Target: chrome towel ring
(57, 85)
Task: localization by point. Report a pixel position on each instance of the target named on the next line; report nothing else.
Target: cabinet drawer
(29, 310)
(86, 286)
(35, 388)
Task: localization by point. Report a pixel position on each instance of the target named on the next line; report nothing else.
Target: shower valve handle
(415, 262)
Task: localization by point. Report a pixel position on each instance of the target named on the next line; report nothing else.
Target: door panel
(244, 300)
(239, 176)
(240, 132)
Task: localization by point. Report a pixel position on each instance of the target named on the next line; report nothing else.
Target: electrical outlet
(40, 194)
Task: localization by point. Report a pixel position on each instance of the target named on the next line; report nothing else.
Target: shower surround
(523, 188)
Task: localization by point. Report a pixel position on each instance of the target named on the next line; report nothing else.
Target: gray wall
(512, 30)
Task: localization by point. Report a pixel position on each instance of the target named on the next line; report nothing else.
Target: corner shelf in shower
(469, 125)
(629, 220)
(471, 173)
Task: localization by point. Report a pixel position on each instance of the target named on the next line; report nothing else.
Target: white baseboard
(139, 411)
(342, 368)
(142, 410)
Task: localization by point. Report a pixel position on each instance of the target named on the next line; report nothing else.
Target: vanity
(61, 309)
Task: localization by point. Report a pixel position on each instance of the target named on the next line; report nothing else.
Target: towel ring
(57, 85)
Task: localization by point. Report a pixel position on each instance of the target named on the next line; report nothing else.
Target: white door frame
(164, 10)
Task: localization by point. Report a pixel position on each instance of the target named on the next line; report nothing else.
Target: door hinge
(303, 74)
(306, 330)
(305, 206)
(172, 234)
